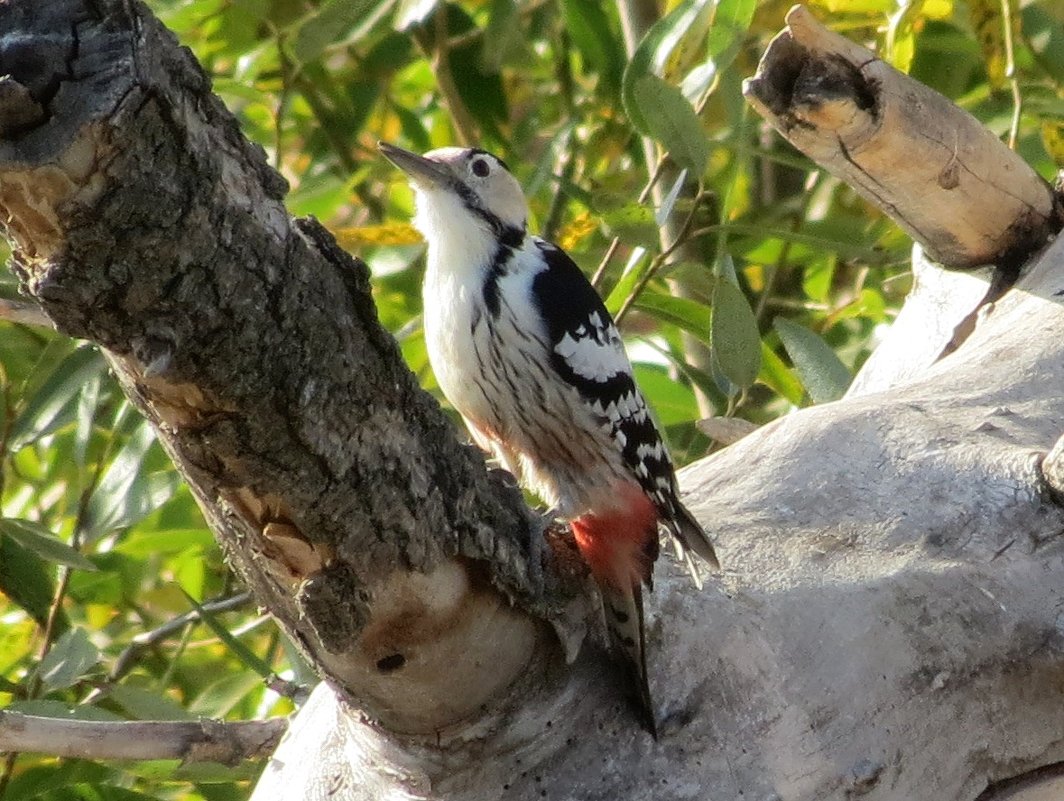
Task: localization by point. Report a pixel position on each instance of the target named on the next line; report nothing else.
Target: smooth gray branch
(190, 741)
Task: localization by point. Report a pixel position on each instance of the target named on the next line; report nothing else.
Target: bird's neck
(463, 247)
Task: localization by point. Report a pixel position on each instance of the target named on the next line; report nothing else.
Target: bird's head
(462, 192)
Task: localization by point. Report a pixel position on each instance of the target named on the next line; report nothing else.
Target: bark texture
(142, 220)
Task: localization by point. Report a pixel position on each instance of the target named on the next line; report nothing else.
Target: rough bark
(142, 220)
(888, 626)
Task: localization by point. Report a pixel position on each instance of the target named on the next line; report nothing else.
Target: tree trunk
(888, 623)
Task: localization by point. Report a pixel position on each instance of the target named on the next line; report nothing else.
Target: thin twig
(1011, 74)
(146, 639)
(567, 159)
(682, 237)
(465, 128)
(600, 271)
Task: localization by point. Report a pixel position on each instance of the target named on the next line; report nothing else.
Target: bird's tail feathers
(690, 538)
(624, 621)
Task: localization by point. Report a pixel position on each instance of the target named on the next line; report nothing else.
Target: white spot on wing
(592, 360)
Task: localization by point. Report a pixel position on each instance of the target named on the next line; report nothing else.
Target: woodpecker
(524, 348)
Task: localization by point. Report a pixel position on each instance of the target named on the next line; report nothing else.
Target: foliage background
(774, 294)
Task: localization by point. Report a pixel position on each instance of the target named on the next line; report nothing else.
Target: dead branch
(928, 164)
(199, 741)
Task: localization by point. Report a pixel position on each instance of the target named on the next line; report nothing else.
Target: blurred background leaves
(114, 599)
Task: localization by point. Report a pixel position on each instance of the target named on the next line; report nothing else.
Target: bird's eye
(480, 168)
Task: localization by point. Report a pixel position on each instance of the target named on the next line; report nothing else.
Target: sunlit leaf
(682, 44)
(634, 272)
(778, 377)
(824, 376)
(126, 493)
(735, 338)
(672, 121)
(41, 541)
(70, 658)
(327, 24)
(731, 21)
(55, 403)
(413, 12)
(241, 651)
(690, 315)
(26, 579)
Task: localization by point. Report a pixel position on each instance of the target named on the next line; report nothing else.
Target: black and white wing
(587, 352)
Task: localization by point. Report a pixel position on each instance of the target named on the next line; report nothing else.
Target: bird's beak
(421, 171)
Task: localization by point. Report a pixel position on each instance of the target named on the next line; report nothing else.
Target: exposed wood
(889, 629)
(931, 166)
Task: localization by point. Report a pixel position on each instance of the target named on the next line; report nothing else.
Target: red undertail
(620, 546)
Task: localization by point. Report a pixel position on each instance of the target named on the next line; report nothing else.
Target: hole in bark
(387, 664)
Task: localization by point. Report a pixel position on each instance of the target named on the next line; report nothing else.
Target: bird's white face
(461, 192)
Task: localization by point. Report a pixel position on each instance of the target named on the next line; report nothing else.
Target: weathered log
(890, 626)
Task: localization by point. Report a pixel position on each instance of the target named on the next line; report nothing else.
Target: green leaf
(38, 539)
(650, 56)
(824, 376)
(630, 278)
(778, 377)
(50, 708)
(672, 401)
(481, 91)
(71, 657)
(55, 402)
(503, 38)
(326, 25)
(126, 493)
(736, 343)
(34, 782)
(26, 579)
(690, 315)
(731, 21)
(632, 223)
(241, 651)
(1045, 34)
(220, 697)
(671, 120)
(144, 704)
(589, 27)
